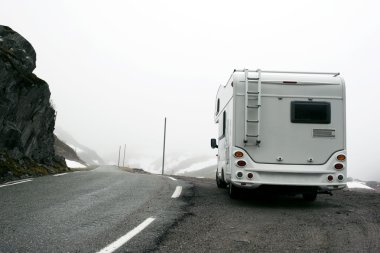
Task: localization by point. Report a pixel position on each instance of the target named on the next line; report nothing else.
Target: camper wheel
(233, 191)
(220, 182)
(310, 196)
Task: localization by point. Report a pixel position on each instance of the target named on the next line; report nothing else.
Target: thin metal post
(125, 145)
(118, 159)
(163, 153)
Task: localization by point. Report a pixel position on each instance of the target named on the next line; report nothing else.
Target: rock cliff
(27, 118)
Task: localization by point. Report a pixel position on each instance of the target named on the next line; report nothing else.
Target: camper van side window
(217, 106)
(224, 123)
(222, 126)
(310, 112)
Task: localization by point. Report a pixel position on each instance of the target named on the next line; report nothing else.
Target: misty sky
(116, 68)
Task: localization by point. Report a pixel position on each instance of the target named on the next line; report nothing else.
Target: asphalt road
(348, 221)
(86, 211)
(109, 210)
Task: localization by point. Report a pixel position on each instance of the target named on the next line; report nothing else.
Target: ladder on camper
(252, 109)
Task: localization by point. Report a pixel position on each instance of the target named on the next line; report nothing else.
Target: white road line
(16, 182)
(22, 180)
(125, 238)
(177, 192)
(172, 178)
(57, 175)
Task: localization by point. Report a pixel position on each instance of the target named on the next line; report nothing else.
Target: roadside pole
(118, 159)
(163, 153)
(125, 145)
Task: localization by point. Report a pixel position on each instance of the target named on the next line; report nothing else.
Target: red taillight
(238, 154)
(338, 166)
(330, 178)
(250, 175)
(241, 163)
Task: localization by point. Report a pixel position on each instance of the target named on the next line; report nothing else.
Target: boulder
(27, 118)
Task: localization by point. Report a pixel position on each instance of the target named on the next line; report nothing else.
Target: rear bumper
(291, 175)
(319, 187)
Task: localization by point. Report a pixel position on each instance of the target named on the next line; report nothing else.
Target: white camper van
(281, 130)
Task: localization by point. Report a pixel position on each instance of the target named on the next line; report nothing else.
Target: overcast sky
(117, 68)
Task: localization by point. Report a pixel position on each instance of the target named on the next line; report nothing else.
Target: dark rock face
(27, 118)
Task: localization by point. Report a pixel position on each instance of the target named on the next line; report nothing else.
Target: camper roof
(293, 77)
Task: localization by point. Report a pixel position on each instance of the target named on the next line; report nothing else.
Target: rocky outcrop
(27, 118)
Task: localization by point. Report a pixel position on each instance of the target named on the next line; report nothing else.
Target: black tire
(223, 182)
(233, 191)
(310, 196)
(220, 182)
(217, 180)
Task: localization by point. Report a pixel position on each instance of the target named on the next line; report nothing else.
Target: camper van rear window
(310, 112)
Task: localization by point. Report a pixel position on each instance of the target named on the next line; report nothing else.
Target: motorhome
(281, 130)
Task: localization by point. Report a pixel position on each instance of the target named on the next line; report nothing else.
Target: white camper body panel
(280, 151)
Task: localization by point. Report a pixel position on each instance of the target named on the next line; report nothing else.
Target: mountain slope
(85, 154)
(64, 150)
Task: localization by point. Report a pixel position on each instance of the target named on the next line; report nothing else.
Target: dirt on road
(348, 221)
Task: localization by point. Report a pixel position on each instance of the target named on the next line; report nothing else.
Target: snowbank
(197, 166)
(74, 164)
(356, 184)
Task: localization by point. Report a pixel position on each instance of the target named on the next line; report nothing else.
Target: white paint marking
(177, 192)
(57, 175)
(172, 178)
(16, 182)
(200, 177)
(125, 238)
(22, 180)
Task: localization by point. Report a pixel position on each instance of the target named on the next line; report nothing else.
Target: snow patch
(356, 184)
(74, 164)
(198, 166)
(76, 149)
(176, 160)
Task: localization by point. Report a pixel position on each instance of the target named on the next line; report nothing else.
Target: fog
(117, 68)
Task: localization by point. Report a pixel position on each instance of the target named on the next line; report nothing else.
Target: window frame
(293, 118)
(217, 106)
(224, 125)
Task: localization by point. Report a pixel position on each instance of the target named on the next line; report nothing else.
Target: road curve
(109, 210)
(348, 221)
(86, 211)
